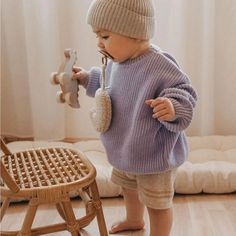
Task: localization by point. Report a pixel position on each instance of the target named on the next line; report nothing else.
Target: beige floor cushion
(211, 166)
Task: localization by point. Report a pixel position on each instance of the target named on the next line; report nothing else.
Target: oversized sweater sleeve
(93, 81)
(183, 97)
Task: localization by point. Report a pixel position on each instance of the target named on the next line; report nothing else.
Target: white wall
(200, 34)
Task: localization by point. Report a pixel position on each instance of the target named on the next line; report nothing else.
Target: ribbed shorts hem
(155, 190)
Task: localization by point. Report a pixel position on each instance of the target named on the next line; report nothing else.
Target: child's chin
(118, 60)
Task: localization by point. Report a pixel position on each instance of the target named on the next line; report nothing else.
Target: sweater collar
(137, 59)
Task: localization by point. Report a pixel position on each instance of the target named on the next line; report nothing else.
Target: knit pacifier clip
(102, 113)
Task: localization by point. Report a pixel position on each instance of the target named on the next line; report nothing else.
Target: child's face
(119, 47)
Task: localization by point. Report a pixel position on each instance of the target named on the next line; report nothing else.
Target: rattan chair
(48, 175)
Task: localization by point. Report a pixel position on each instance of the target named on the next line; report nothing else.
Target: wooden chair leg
(100, 216)
(4, 207)
(60, 211)
(72, 224)
(29, 218)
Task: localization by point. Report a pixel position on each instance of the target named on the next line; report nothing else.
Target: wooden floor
(194, 215)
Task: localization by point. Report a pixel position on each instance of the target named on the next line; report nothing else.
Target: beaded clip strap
(102, 113)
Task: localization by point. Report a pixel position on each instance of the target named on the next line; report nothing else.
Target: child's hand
(81, 75)
(163, 109)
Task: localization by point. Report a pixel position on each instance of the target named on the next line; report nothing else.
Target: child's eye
(105, 37)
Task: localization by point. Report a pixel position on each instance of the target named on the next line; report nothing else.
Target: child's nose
(100, 44)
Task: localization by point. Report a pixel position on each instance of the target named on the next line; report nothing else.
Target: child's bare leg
(160, 221)
(134, 213)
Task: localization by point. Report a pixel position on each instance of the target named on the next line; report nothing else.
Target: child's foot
(126, 225)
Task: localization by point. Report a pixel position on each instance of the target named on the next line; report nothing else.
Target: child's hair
(131, 18)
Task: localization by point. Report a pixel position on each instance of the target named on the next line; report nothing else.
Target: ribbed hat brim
(109, 16)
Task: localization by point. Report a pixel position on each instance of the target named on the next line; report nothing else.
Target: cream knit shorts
(154, 190)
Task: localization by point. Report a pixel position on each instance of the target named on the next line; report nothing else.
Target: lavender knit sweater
(136, 142)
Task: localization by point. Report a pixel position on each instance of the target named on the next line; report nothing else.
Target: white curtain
(200, 34)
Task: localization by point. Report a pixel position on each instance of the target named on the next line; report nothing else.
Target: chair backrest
(4, 148)
(6, 177)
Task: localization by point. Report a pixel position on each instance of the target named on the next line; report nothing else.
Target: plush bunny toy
(69, 88)
(102, 113)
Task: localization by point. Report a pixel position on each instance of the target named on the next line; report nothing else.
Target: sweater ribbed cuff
(93, 81)
(183, 117)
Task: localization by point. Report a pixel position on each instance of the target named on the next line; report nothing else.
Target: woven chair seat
(46, 167)
(48, 175)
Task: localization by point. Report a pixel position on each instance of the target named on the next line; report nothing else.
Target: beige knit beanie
(132, 18)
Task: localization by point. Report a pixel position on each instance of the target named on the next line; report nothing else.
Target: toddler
(152, 105)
